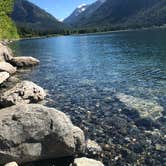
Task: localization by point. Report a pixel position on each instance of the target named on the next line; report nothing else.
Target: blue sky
(60, 8)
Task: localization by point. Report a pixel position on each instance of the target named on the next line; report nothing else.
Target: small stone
(106, 147)
(160, 147)
(11, 164)
(88, 114)
(98, 105)
(86, 162)
(116, 158)
(127, 139)
(92, 147)
(134, 140)
(108, 99)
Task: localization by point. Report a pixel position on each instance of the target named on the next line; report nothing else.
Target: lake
(112, 85)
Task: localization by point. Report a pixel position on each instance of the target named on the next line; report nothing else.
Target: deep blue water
(84, 73)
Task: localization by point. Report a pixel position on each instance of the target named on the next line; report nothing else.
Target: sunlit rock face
(3, 76)
(4, 66)
(22, 93)
(5, 53)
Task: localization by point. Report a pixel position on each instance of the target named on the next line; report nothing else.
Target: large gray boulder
(24, 61)
(24, 92)
(5, 53)
(86, 162)
(4, 66)
(3, 77)
(32, 132)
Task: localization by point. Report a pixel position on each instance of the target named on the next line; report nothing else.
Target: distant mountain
(82, 13)
(32, 20)
(155, 15)
(118, 14)
(76, 14)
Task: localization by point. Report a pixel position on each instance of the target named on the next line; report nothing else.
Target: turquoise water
(84, 74)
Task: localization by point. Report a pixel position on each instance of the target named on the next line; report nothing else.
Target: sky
(60, 8)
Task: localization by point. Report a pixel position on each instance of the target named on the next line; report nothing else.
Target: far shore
(93, 33)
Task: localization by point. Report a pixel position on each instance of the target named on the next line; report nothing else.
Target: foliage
(7, 27)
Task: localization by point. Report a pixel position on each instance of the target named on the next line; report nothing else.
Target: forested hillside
(7, 27)
(123, 14)
(34, 21)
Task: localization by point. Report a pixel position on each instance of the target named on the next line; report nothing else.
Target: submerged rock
(32, 132)
(3, 77)
(4, 66)
(5, 53)
(11, 164)
(86, 162)
(146, 108)
(24, 92)
(24, 61)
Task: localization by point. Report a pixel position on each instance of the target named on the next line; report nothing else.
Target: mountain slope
(32, 20)
(156, 15)
(120, 14)
(82, 13)
(76, 14)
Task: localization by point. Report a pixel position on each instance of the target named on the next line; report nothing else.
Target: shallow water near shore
(112, 85)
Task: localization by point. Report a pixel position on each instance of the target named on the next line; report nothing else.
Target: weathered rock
(79, 139)
(13, 79)
(4, 66)
(11, 164)
(3, 77)
(5, 42)
(24, 61)
(24, 92)
(92, 148)
(145, 108)
(5, 53)
(32, 132)
(86, 162)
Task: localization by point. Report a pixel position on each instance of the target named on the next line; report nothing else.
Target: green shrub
(8, 29)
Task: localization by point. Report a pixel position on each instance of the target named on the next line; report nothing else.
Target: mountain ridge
(122, 14)
(89, 9)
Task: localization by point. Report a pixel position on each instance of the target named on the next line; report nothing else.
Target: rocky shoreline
(29, 131)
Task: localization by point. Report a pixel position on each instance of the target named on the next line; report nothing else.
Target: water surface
(84, 74)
